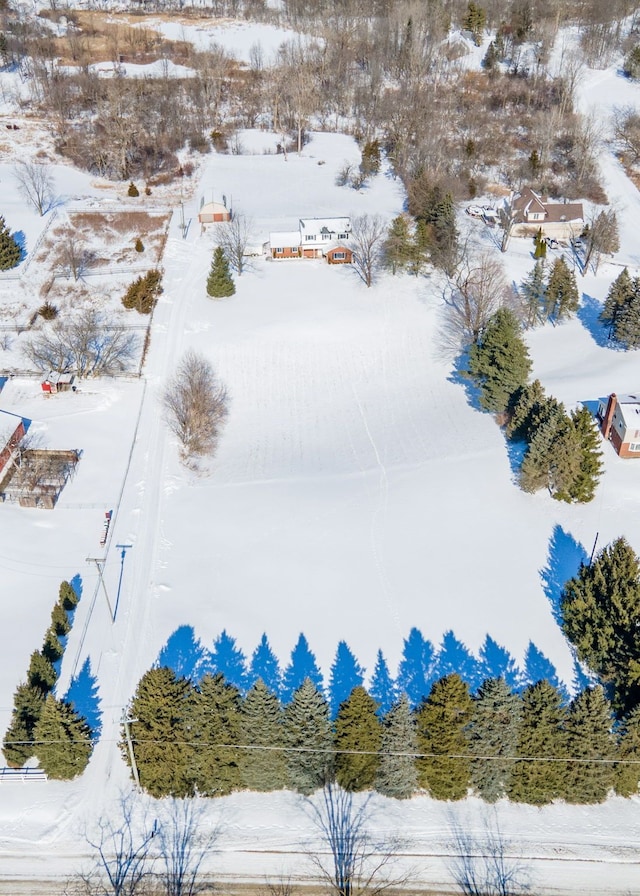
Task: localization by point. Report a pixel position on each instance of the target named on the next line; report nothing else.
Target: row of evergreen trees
(41, 725)
(621, 311)
(529, 747)
(553, 296)
(563, 451)
(430, 236)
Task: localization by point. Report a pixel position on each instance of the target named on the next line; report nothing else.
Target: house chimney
(608, 417)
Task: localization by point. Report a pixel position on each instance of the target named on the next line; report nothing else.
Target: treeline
(41, 725)
(529, 747)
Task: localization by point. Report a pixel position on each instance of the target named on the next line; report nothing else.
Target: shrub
(139, 245)
(48, 311)
(143, 293)
(133, 190)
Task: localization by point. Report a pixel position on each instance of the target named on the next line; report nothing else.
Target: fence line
(22, 774)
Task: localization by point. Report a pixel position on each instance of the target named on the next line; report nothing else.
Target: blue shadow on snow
(83, 696)
(589, 316)
(564, 559)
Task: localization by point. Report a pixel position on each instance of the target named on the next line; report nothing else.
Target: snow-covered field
(355, 494)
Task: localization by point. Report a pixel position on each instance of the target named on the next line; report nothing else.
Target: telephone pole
(100, 562)
(126, 721)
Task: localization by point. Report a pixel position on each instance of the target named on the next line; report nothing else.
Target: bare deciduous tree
(183, 842)
(357, 863)
(35, 182)
(367, 235)
(473, 295)
(626, 129)
(122, 843)
(74, 256)
(195, 405)
(89, 344)
(481, 865)
(603, 238)
(234, 236)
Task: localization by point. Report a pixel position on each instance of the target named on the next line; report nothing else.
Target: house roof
(285, 238)
(8, 424)
(630, 410)
(529, 202)
(210, 207)
(326, 225)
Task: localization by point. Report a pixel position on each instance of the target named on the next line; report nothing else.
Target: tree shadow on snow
(21, 242)
(184, 654)
(537, 667)
(83, 696)
(460, 377)
(516, 451)
(564, 559)
(589, 316)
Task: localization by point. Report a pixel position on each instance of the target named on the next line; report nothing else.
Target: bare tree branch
(473, 295)
(367, 235)
(35, 182)
(195, 405)
(233, 237)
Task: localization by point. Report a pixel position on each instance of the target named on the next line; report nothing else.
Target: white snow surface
(355, 493)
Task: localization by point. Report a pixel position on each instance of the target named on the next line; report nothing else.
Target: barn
(12, 431)
(213, 213)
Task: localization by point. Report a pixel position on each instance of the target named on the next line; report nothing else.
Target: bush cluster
(143, 293)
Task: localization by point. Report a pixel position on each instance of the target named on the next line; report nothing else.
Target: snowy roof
(213, 207)
(8, 424)
(528, 201)
(630, 410)
(328, 225)
(282, 238)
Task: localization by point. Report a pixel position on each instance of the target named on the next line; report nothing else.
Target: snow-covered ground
(355, 494)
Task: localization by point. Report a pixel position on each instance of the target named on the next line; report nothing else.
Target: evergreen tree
(358, 738)
(229, 661)
(416, 672)
(309, 737)
(52, 649)
(302, 665)
(626, 773)
(627, 326)
(17, 744)
(62, 740)
(491, 58)
(265, 665)
(41, 674)
(346, 674)
(60, 624)
(397, 774)
(445, 769)
(554, 456)
(420, 247)
(588, 736)
(371, 158)
(160, 734)
(529, 407)
(620, 293)
(499, 361)
(220, 282)
(383, 688)
(540, 251)
(10, 252)
(582, 489)
(631, 64)
(68, 598)
(475, 21)
(444, 250)
(397, 245)
(215, 730)
(561, 298)
(262, 725)
(143, 293)
(541, 736)
(493, 733)
(533, 289)
(600, 608)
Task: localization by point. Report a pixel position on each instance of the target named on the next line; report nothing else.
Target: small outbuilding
(213, 213)
(57, 382)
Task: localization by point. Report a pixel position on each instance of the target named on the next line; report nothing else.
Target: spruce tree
(445, 769)
(475, 21)
(528, 407)
(160, 734)
(540, 251)
(620, 293)
(416, 672)
(346, 674)
(535, 472)
(309, 738)
(214, 732)
(397, 774)
(420, 247)
(493, 737)
(600, 608)
(627, 325)
(396, 250)
(532, 289)
(17, 744)
(62, 740)
(60, 620)
(262, 727)
(589, 737)
(541, 737)
(41, 673)
(302, 665)
(626, 773)
(67, 597)
(220, 282)
(52, 649)
(383, 687)
(583, 488)
(265, 665)
(358, 738)
(561, 298)
(10, 251)
(499, 361)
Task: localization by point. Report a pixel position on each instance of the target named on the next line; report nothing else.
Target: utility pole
(126, 721)
(100, 562)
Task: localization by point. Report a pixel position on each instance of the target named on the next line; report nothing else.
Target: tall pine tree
(499, 361)
(397, 774)
(262, 727)
(620, 293)
(358, 737)
(445, 769)
(309, 739)
(532, 290)
(493, 738)
(17, 744)
(62, 740)
(10, 252)
(214, 733)
(220, 282)
(626, 773)
(561, 298)
(589, 737)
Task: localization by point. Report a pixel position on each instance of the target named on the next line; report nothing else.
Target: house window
(634, 446)
(310, 238)
(326, 236)
(343, 236)
(279, 251)
(340, 255)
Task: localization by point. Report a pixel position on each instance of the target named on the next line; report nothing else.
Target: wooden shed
(213, 213)
(57, 382)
